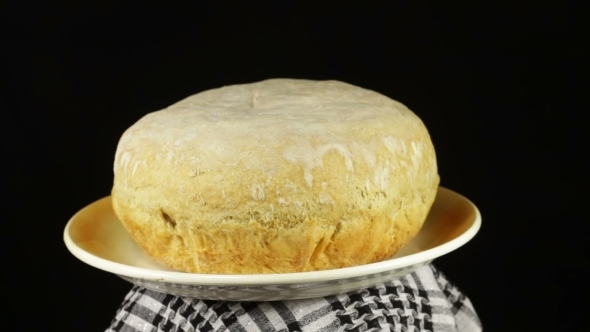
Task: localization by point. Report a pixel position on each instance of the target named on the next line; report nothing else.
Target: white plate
(97, 237)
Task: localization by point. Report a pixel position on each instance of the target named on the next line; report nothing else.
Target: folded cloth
(423, 300)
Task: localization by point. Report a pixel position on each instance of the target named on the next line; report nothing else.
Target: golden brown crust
(230, 181)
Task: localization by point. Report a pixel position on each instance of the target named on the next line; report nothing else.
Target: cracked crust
(273, 177)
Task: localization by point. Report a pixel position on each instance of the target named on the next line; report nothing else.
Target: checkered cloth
(423, 300)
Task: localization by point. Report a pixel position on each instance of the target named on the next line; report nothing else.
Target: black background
(499, 87)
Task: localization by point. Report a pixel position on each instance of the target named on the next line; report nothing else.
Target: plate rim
(275, 278)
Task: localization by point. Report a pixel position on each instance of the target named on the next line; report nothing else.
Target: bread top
(261, 126)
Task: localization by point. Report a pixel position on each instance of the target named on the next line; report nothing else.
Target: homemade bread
(278, 176)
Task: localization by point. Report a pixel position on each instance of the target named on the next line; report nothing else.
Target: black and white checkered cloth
(420, 301)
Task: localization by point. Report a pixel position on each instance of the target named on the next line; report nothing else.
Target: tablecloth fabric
(423, 300)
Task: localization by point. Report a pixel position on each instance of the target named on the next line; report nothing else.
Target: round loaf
(277, 176)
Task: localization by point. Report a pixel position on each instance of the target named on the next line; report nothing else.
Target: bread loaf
(277, 176)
